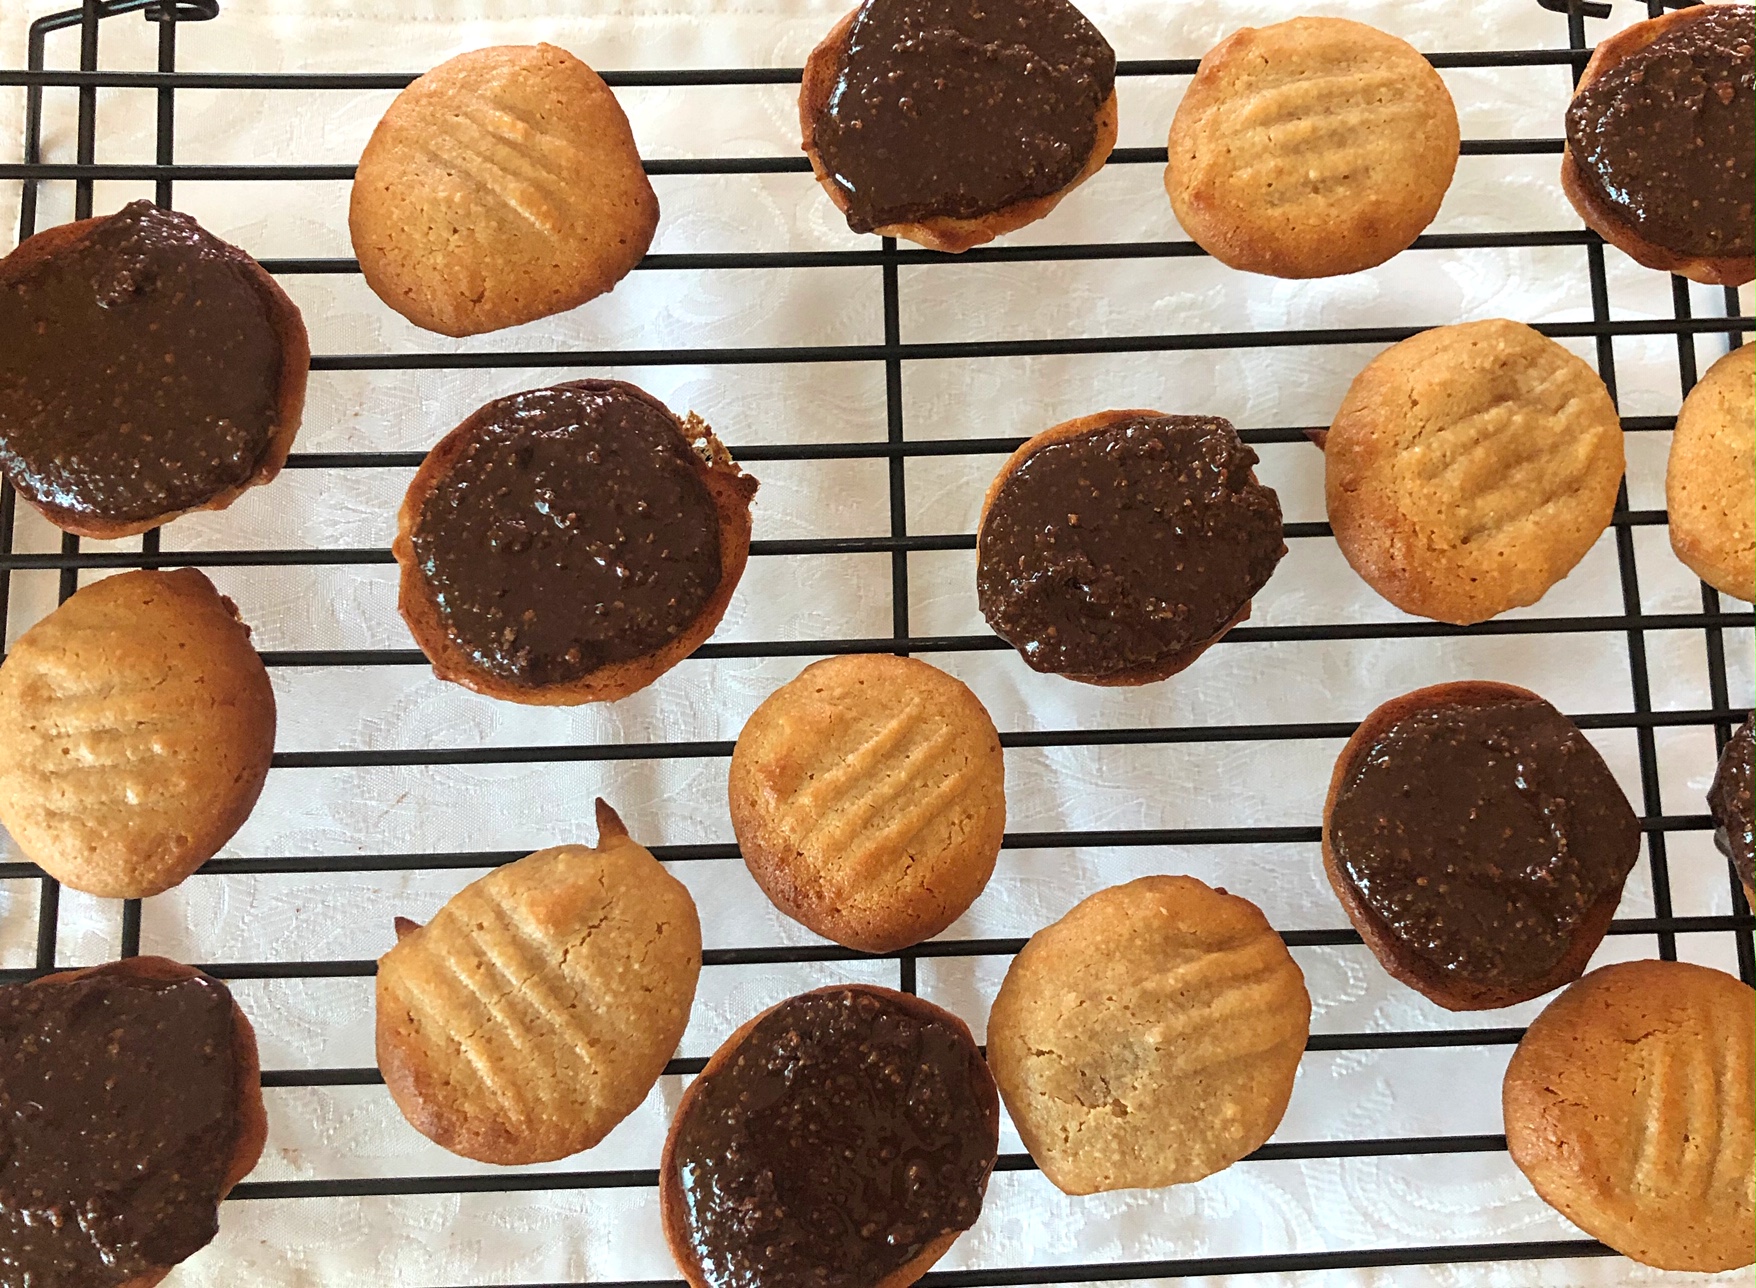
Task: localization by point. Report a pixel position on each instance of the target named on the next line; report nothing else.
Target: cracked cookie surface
(1150, 1037)
(541, 1003)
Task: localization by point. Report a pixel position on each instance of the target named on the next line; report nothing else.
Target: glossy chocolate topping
(140, 370)
(958, 108)
(1481, 835)
(1121, 549)
(1665, 136)
(119, 1118)
(844, 1135)
(1729, 799)
(575, 530)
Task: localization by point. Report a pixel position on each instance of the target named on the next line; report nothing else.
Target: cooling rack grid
(896, 451)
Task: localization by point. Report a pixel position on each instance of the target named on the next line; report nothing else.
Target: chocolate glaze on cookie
(957, 110)
(847, 1131)
(1666, 136)
(1729, 800)
(1112, 551)
(1481, 835)
(140, 370)
(119, 1113)
(575, 530)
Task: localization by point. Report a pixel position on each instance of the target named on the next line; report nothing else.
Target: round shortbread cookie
(501, 187)
(1150, 1037)
(1628, 1107)
(541, 1003)
(136, 729)
(868, 797)
(1470, 468)
(1311, 148)
(1710, 482)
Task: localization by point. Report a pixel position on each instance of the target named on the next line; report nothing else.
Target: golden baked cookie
(1149, 1037)
(1628, 1108)
(501, 187)
(869, 799)
(541, 1003)
(1311, 148)
(136, 728)
(1470, 468)
(1710, 482)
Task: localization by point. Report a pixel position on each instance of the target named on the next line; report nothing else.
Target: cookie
(1310, 148)
(570, 544)
(1149, 1037)
(147, 369)
(501, 187)
(1470, 468)
(1116, 548)
(869, 799)
(130, 1104)
(1628, 1108)
(136, 729)
(1729, 800)
(1710, 481)
(542, 1002)
(844, 1136)
(950, 124)
(1661, 147)
(1478, 843)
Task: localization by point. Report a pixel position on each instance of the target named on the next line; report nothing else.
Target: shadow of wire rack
(1633, 622)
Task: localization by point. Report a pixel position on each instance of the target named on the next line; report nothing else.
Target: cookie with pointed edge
(130, 1094)
(570, 544)
(147, 370)
(539, 1006)
(1470, 468)
(501, 187)
(1628, 1108)
(1660, 156)
(1311, 148)
(869, 799)
(844, 1136)
(136, 730)
(950, 124)
(1150, 1037)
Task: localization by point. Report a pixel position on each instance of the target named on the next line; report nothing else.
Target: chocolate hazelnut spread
(574, 530)
(1120, 549)
(1481, 834)
(846, 1133)
(140, 370)
(1729, 800)
(956, 110)
(120, 1108)
(1664, 137)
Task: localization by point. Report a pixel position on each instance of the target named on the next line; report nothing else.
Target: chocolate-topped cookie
(147, 369)
(841, 1139)
(130, 1104)
(1114, 549)
(1661, 143)
(1478, 843)
(571, 544)
(1729, 800)
(948, 124)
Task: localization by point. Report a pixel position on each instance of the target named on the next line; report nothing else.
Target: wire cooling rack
(895, 450)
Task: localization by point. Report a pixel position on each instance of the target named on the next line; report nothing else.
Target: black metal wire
(898, 543)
